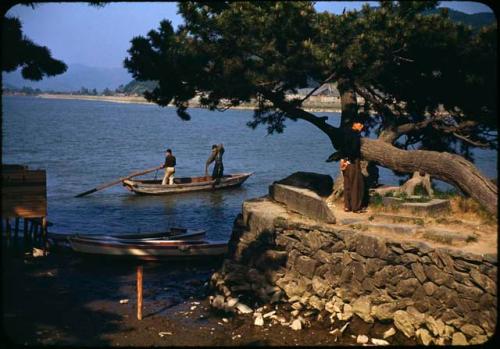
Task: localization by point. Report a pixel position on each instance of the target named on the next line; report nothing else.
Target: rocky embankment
(317, 271)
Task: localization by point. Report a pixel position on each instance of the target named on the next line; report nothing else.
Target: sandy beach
(323, 107)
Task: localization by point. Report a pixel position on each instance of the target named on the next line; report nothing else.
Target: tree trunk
(348, 103)
(448, 167)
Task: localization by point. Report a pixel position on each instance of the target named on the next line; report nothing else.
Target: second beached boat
(184, 184)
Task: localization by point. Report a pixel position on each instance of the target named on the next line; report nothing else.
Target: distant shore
(322, 107)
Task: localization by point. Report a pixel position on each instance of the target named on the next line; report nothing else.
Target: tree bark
(448, 167)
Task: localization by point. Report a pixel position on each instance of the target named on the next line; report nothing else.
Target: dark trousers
(353, 186)
(218, 171)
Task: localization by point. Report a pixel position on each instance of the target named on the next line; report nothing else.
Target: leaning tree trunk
(450, 168)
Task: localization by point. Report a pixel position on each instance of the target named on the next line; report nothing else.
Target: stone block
(434, 208)
(303, 201)
(305, 265)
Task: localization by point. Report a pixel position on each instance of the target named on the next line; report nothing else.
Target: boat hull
(175, 249)
(185, 185)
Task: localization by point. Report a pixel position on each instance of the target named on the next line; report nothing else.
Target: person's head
(357, 126)
(169, 151)
(214, 146)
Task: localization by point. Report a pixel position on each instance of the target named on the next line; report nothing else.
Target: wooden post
(25, 231)
(43, 227)
(139, 292)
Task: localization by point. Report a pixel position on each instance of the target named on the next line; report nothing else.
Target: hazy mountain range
(78, 75)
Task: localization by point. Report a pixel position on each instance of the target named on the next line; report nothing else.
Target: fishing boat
(156, 249)
(170, 234)
(184, 184)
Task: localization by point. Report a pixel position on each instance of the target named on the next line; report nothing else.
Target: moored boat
(170, 234)
(185, 184)
(150, 249)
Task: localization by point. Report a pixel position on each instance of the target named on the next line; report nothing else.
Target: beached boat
(150, 249)
(184, 184)
(170, 234)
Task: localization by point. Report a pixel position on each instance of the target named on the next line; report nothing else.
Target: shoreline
(142, 100)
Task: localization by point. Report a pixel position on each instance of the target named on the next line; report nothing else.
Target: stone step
(448, 237)
(401, 229)
(394, 218)
(349, 220)
(434, 207)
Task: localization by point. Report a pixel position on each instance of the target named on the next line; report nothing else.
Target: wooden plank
(139, 292)
(28, 176)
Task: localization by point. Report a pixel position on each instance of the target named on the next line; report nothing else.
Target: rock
(430, 288)
(243, 309)
(305, 265)
(390, 332)
(346, 314)
(418, 270)
(276, 297)
(294, 312)
(303, 201)
(259, 320)
(296, 325)
(297, 306)
(424, 336)
(329, 307)
(225, 320)
(362, 339)
(231, 302)
(478, 339)
(321, 287)
(271, 313)
(123, 301)
(406, 288)
(459, 339)
(384, 311)
(218, 302)
(370, 246)
(319, 183)
(377, 341)
(294, 287)
(483, 281)
(404, 322)
(435, 326)
(317, 303)
(336, 334)
(362, 307)
(472, 330)
(418, 317)
(436, 275)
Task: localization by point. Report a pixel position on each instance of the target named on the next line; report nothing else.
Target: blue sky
(100, 37)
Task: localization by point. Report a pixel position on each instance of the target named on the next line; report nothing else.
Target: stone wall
(433, 295)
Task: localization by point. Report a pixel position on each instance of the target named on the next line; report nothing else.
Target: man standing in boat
(169, 166)
(216, 155)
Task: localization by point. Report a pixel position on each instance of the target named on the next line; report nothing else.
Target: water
(82, 144)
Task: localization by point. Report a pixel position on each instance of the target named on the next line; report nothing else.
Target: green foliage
(35, 61)
(137, 87)
(403, 61)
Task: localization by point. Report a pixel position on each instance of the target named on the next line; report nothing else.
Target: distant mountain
(76, 77)
(475, 20)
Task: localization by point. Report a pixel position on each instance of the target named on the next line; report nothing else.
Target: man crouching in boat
(216, 155)
(169, 166)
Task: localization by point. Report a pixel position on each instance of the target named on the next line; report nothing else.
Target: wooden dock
(24, 196)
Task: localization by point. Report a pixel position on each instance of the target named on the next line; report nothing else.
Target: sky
(100, 37)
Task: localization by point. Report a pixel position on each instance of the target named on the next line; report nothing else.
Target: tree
(18, 51)
(431, 81)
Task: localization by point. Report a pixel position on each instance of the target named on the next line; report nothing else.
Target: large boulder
(303, 201)
(319, 183)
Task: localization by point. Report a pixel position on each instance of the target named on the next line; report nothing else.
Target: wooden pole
(44, 235)
(25, 231)
(139, 292)
(105, 185)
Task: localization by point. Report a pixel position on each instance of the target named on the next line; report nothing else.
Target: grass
(471, 238)
(447, 240)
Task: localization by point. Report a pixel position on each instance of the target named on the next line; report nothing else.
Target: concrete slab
(303, 201)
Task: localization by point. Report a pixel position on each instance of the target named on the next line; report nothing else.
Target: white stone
(294, 312)
(390, 332)
(424, 336)
(37, 252)
(259, 320)
(271, 313)
(362, 339)
(296, 325)
(225, 320)
(123, 301)
(231, 302)
(377, 341)
(242, 308)
(342, 329)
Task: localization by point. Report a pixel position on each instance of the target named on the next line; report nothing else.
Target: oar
(105, 185)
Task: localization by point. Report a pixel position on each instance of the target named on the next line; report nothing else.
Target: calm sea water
(82, 144)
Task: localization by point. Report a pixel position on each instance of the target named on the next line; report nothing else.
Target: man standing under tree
(351, 169)
(216, 155)
(169, 166)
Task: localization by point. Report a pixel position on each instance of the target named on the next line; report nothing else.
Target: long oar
(105, 185)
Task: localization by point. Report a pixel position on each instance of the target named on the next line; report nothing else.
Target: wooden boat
(184, 184)
(170, 234)
(150, 249)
